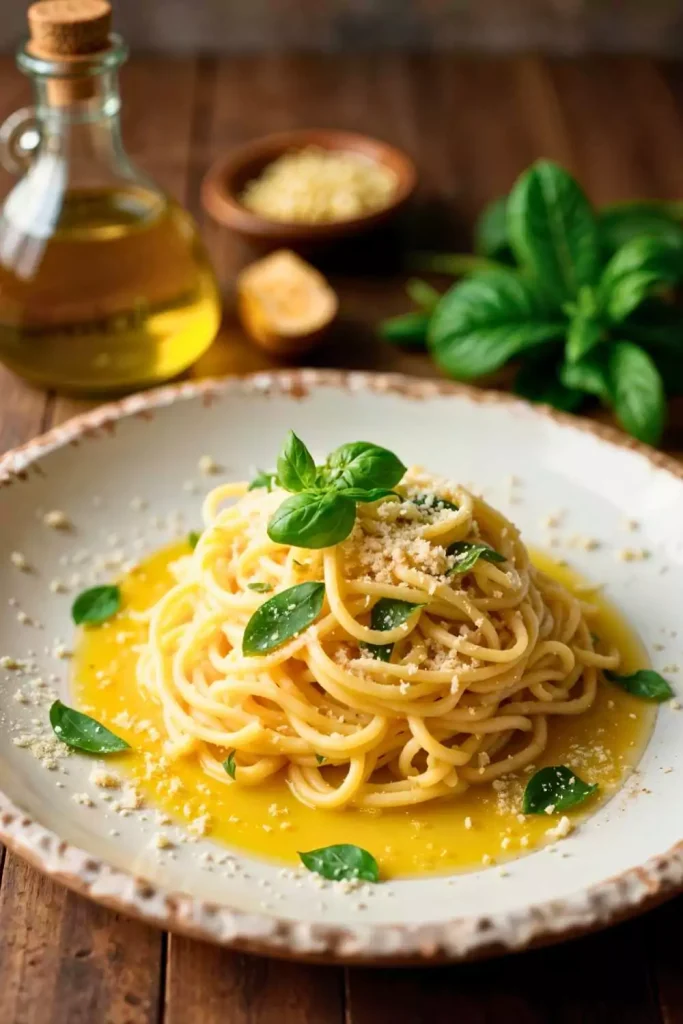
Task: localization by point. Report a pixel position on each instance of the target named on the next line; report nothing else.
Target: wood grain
(64, 960)
(473, 123)
(214, 986)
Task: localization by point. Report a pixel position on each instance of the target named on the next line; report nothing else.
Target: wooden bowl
(226, 179)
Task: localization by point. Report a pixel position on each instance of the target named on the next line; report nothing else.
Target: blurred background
(229, 26)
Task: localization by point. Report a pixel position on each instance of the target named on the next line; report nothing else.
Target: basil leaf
(82, 732)
(263, 479)
(483, 321)
(320, 758)
(408, 330)
(537, 380)
(589, 374)
(373, 494)
(387, 613)
(432, 502)
(557, 787)
(467, 554)
(622, 222)
(260, 588)
(583, 334)
(295, 466)
(282, 617)
(96, 605)
(365, 465)
(491, 232)
(553, 231)
(193, 538)
(229, 764)
(636, 392)
(645, 683)
(636, 269)
(313, 520)
(422, 294)
(341, 862)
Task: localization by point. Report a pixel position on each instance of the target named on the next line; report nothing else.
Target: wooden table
(472, 124)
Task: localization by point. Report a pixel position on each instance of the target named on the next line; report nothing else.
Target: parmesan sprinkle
(57, 520)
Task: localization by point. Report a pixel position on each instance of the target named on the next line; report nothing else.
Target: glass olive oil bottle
(104, 283)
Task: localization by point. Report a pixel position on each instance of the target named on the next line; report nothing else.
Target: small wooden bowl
(226, 179)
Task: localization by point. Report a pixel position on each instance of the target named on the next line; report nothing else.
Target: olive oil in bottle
(104, 282)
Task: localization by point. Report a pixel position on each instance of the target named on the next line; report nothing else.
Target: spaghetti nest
(437, 660)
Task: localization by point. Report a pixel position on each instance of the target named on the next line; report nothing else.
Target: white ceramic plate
(627, 856)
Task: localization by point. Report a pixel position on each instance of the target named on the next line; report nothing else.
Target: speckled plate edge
(458, 939)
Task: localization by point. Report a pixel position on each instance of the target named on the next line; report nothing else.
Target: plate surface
(627, 856)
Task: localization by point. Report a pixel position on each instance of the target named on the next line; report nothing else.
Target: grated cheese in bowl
(316, 186)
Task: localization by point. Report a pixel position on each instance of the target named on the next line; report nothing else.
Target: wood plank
(661, 931)
(64, 960)
(597, 980)
(215, 986)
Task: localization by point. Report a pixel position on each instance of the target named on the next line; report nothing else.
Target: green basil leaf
(636, 392)
(96, 605)
(639, 267)
(295, 466)
(583, 334)
(537, 380)
(282, 617)
(260, 588)
(313, 520)
(553, 231)
(422, 294)
(82, 732)
(483, 321)
(645, 683)
(342, 862)
(589, 375)
(369, 495)
(387, 613)
(229, 764)
(432, 502)
(557, 787)
(467, 553)
(263, 479)
(320, 758)
(364, 465)
(658, 328)
(491, 232)
(622, 222)
(408, 330)
(193, 538)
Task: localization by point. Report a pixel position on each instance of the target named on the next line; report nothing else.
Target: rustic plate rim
(459, 939)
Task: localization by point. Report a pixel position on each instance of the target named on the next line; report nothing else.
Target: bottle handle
(19, 140)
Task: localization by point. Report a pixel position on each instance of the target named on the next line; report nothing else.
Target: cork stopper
(69, 31)
(69, 28)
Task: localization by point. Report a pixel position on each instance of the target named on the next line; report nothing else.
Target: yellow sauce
(600, 745)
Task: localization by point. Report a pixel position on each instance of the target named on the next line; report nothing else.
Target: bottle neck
(81, 125)
(76, 111)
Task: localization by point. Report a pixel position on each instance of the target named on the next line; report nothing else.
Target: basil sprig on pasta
(555, 789)
(466, 554)
(282, 617)
(322, 508)
(387, 613)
